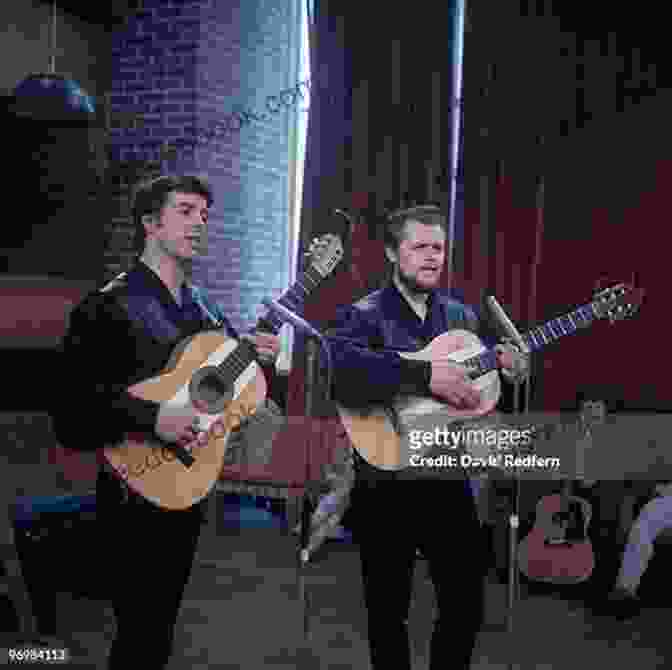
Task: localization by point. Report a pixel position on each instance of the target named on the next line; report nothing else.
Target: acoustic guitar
(218, 378)
(558, 549)
(382, 434)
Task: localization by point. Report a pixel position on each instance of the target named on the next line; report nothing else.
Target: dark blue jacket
(365, 340)
(118, 336)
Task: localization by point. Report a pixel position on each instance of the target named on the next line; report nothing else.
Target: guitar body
(372, 431)
(216, 378)
(557, 549)
(381, 434)
(152, 470)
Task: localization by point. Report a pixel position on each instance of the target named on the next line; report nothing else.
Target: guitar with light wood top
(382, 434)
(217, 377)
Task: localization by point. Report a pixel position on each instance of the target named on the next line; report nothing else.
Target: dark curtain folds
(578, 106)
(379, 138)
(329, 131)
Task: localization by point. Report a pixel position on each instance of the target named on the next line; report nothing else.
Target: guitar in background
(558, 550)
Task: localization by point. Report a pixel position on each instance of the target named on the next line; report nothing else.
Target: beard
(412, 284)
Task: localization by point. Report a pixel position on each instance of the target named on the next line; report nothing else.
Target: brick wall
(178, 69)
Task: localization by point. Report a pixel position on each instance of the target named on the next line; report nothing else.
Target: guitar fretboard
(293, 298)
(537, 338)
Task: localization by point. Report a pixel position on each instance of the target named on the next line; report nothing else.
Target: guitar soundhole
(573, 524)
(209, 391)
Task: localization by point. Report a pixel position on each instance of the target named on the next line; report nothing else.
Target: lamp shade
(52, 97)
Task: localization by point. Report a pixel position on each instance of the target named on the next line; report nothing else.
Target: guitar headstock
(617, 302)
(325, 253)
(592, 413)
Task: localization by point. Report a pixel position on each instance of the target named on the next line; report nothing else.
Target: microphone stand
(312, 347)
(514, 515)
(513, 592)
(315, 342)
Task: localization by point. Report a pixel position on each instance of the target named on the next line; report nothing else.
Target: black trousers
(148, 556)
(391, 519)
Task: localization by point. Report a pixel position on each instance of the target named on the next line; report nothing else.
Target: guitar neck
(294, 299)
(568, 485)
(566, 490)
(537, 338)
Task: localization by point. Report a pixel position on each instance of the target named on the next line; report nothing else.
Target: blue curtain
(329, 126)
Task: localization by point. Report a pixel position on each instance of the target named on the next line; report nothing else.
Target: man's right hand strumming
(450, 381)
(177, 427)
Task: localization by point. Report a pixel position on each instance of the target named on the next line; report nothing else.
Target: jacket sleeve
(96, 360)
(363, 373)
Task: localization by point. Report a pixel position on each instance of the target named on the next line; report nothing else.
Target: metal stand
(514, 519)
(314, 339)
(304, 536)
(514, 522)
(312, 348)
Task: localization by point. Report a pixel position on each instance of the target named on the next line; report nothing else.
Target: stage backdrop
(566, 176)
(379, 137)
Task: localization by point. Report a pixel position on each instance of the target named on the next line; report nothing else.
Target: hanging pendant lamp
(52, 97)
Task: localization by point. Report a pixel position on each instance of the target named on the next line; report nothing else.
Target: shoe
(620, 604)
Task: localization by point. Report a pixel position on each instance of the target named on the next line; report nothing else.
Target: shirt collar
(144, 280)
(393, 294)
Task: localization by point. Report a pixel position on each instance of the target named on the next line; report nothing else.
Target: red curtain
(508, 269)
(537, 274)
(625, 357)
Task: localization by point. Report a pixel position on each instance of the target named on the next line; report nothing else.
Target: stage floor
(242, 610)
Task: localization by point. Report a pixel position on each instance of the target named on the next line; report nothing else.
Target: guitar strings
(244, 354)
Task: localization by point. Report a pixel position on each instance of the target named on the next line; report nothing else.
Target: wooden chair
(12, 582)
(31, 459)
(52, 536)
